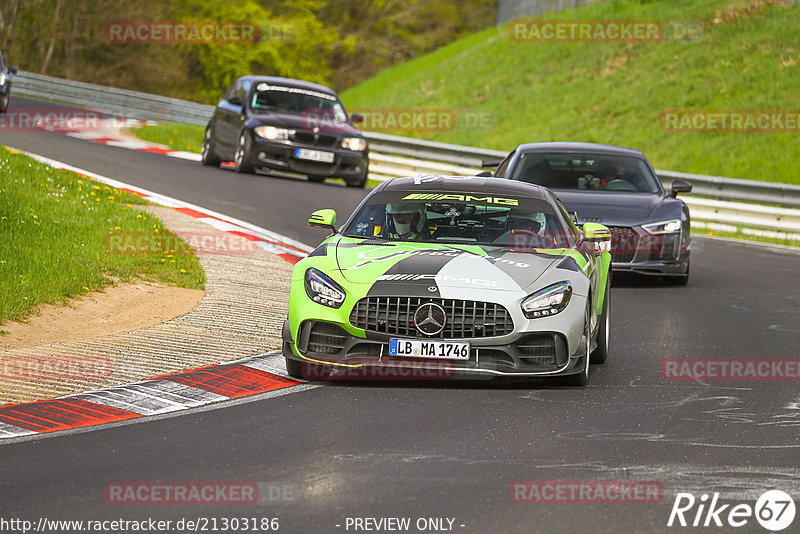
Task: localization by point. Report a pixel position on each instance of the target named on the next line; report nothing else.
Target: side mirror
(598, 236)
(356, 117)
(12, 70)
(574, 216)
(596, 232)
(235, 100)
(680, 186)
(489, 163)
(323, 219)
(484, 174)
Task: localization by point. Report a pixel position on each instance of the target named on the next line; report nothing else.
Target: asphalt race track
(426, 450)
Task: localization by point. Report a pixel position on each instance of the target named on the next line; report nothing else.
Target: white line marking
(7, 431)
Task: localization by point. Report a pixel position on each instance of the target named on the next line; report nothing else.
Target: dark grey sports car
(618, 188)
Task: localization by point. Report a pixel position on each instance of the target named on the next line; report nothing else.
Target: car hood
(619, 208)
(448, 271)
(303, 122)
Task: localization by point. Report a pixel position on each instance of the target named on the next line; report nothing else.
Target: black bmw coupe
(618, 188)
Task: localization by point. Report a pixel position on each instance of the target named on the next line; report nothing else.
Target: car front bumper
(280, 156)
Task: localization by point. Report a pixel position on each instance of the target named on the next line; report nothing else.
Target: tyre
(207, 154)
(680, 280)
(360, 182)
(293, 368)
(582, 378)
(242, 154)
(600, 352)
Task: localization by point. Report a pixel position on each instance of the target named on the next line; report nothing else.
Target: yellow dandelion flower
(183, 270)
(162, 259)
(170, 256)
(172, 261)
(139, 216)
(25, 298)
(79, 181)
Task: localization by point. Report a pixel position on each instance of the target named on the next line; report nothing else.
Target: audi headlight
(354, 143)
(323, 290)
(2, 78)
(547, 301)
(663, 227)
(272, 133)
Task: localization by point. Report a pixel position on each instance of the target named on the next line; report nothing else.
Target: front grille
(624, 242)
(326, 338)
(308, 138)
(394, 316)
(538, 349)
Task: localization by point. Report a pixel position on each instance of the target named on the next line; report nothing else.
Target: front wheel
(600, 352)
(240, 158)
(582, 378)
(680, 280)
(360, 182)
(208, 156)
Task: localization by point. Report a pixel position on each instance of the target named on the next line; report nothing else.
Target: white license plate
(314, 155)
(445, 350)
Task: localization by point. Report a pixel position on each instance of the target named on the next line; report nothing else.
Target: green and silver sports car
(436, 277)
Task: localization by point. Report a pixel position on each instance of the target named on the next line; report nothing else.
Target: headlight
(663, 227)
(547, 301)
(272, 133)
(354, 143)
(2, 78)
(323, 290)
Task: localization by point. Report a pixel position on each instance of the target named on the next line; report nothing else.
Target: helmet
(408, 217)
(519, 219)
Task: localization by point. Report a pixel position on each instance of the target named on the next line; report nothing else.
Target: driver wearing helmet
(408, 219)
(522, 229)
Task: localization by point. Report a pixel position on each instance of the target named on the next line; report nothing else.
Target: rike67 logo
(774, 511)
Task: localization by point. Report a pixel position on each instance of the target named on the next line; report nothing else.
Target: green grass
(188, 137)
(55, 227)
(746, 57)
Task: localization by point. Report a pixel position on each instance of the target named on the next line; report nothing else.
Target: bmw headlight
(272, 133)
(323, 290)
(663, 227)
(547, 301)
(354, 143)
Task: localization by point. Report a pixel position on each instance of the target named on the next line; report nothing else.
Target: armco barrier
(393, 155)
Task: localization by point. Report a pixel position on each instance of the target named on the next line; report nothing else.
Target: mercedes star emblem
(430, 318)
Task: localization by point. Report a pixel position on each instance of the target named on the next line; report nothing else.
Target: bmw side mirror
(356, 117)
(323, 219)
(680, 186)
(12, 70)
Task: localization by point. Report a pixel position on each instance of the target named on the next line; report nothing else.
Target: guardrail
(393, 155)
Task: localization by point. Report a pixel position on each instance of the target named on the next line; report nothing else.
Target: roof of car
(290, 82)
(467, 184)
(580, 148)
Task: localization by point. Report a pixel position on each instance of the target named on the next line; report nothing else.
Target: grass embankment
(188, 137)
(55, 231)
(743, 55)
(746, 57)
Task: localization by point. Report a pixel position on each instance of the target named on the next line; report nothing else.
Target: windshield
(590, 172)
(460, 218)
(297, 101)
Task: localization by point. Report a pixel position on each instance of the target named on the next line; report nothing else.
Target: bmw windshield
(588, 172)
(460, 218)
(296, 101)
